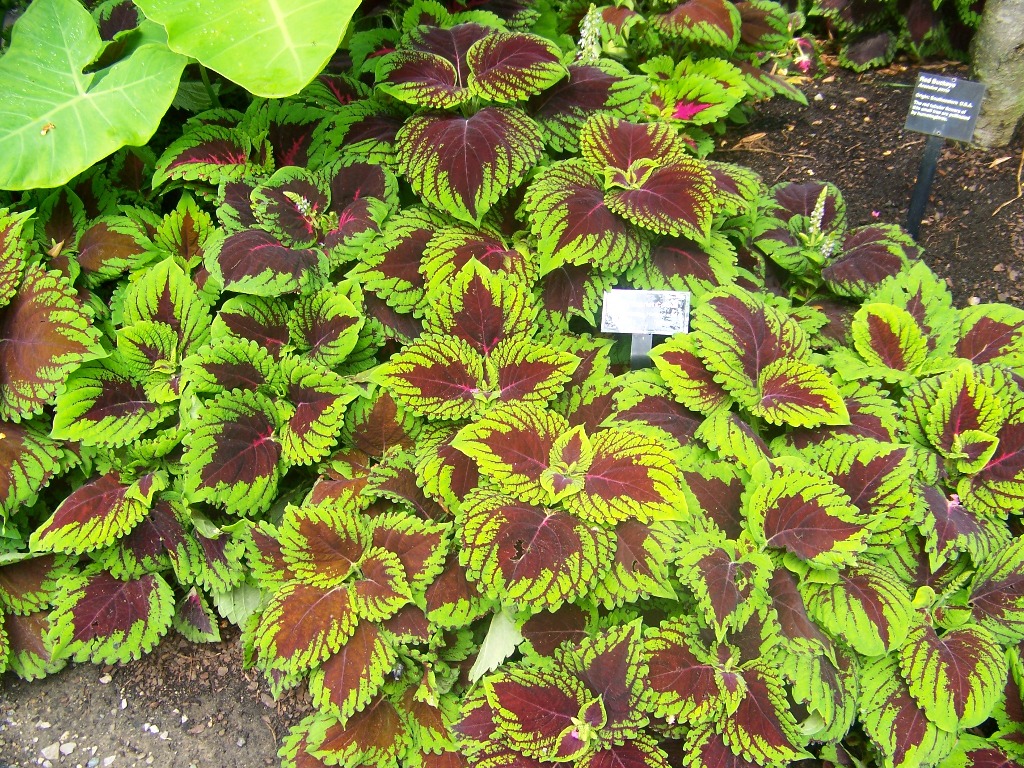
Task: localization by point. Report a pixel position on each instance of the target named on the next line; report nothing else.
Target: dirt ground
(187, 705)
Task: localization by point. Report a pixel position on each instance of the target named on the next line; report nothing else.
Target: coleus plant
(346, 391)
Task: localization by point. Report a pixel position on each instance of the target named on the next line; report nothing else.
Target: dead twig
(1020, 186)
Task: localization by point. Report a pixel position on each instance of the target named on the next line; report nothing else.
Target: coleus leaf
(102, 404)
(868, 607)
(762, 729)
(46, 333)
(671, 198)
(529, 555)
(255, 318)
(894, 722)
(395, 478)
(684, 684)
(463, 165)
(709, 22)
(714, 491)
(302, 626)
(950, 528)
(97, 513)
(512, 445)
(512, 66)
(452, 600)
(322, 544)
(101, 619)
(376, 423)
(684, 372)
(375, 735)
(382, 589)
(599, 86)
(521, 369)
(533, 710)
(641, 563)
(866, 257)
(318, 398)
(31, 654)
(995, 593)
(12, 252)
(452, 247)
(350, 678)
(684, 264)
(420, 545)
(991, 333)
(733, 438)
(609, 142)
(31, 459)
(612, 666)
(573, 292)
(26, 585)
(438, 376)
(255, 262)
(805, 513)
(232, 455)
(444, 473)
(194, 619)
(160, 539)
(956, 677)
(110, 247)
(289, 206)
(890, 342)
(645, 399)
(228, 363)
(798, 393)
(209, 153)
(572, 223)
(728, 579)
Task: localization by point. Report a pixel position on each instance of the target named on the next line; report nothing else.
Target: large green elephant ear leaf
(57, 120)
(270, 48)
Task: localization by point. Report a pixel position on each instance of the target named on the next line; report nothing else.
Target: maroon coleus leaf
(869, 51)
(530, 555)
(611, 666)
(159, 534)
(256, 262)
(420, 548)
(452, 600)
(97, 513)
(352, 181)
(26, 586)
(107, 249)
(193, 619)
(210, 153)
(794, 621)
(529, 371)
(534, 710)
(800, 199)
(714, 22)
(723, 580)
(350, 678)
(45, 333)
(108, 620)
(997, 593)
(999, 485)
(395, 478)
(706, 748)
(62, 217)
(409, 626)
(30, 648)
(117, 17)
(234, 208)
(484, 315)
(12, 254)
(30, 459)
(719, 497)
(377, 732)
(764, 27)
(636, 753)
(290, 129)
(547, 630)
(258, 319)
(608, 142)
(681, 685)
(511, 66)
(431, 69)
(289, 206)
(383, 587)
(303, 625)
(462, 165)
(950, 528)
(381, 425)
(867, 256)
(574, 292)
(762, 725)
(988, 335)
(680, 261)
(594, 87)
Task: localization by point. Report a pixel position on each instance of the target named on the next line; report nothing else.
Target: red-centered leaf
(264, 321)
(530, 371)
(25, 586)
(574, 292)
(353, 181)
(713, 22)
(462, 165)
(722, 581)
(322, 545)
(765, 26)
(762, 729)
(193, 619)
(265, 558)
(444, 473)
(547, 630)
(718, 491)
(679, 684)
(657, 408)
(612, 667)
(235, 205)
(706, 748)
(12, 253)
(422, 78)
(512, 66)
(210, 153)
(892, 719)
(608, 141)
(807, 515)
(452, 600)
(687, 376)
(799, 393)
(572, 223)
(381, 425)
(997, 593)
(603, 85)
(796, 625)
(30, 656)
(374, 735)
(681, 263)
(383, 588)
(636, 753)
(673, 198)
(106, 620)
(303, 625)
(29, 460)
(232, 455)
(419, 546)
(950, 528)
(350, 678)
(395, 478)
(45, 333)
(291, 130)
(999, 487)
(255, 262)
(868, 256)
(989, 332)
(481, 309)
(97, 513)
(528, 555)
(532, 709)
(793, 199)
(105, 249)
(451, 248)
(437, 376)
(641, 564)
(632, 475)
(957, 677)
(409, 626)
(319, 398)
(289, 206)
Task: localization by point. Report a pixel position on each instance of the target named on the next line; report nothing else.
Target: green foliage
(339, 380)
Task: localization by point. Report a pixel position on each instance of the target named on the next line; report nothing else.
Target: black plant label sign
(945, 106)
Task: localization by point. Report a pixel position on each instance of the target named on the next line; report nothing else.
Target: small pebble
(974, 301)
(818, 97)
(124, 703)
(105, 679)
(107, 761)
(52, 751)
(240, 742)
(93, 762)
(43, 725)
(67, 749)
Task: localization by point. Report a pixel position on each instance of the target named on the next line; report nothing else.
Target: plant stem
(214, 99)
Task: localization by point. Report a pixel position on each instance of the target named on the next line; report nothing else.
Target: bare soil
(190, 705)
